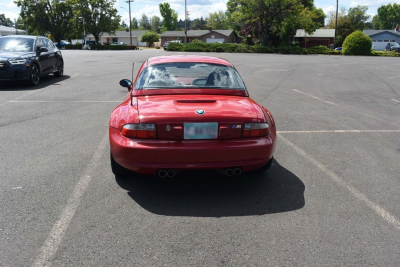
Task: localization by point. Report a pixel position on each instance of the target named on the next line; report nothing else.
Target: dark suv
(25, 57)
(393, 47)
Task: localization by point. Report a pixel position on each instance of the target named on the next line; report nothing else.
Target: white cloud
(12, 10)
(197, 8)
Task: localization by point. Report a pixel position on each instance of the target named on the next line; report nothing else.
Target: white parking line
(14, 100)
(339, 181)
(314, 97)
(395, 100)
(53, 241)
(74, 75)
(341, 131)
(356, 111)
(393, 77)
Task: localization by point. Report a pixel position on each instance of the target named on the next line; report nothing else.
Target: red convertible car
(188, 113)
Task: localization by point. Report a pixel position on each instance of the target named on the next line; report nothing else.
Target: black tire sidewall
(30, 75)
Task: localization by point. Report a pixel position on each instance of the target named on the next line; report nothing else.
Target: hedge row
(103, 47)
(385, 53)
(73, 46)
(242, 48)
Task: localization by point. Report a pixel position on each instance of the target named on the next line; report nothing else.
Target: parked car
(118, 43)
(26, 57)
(165, 46)
(63, 43)
(90, 42)
(392, 46)
(195, 113)
(338, 48)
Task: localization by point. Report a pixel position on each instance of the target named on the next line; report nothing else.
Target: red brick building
(323, 37)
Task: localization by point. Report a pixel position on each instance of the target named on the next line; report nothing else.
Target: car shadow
(24, 86)
(208, 194)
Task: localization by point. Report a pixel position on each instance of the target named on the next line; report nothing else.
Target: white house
(4, 30)
(120, 36)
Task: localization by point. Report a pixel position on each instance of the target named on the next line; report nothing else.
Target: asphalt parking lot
(331, 197)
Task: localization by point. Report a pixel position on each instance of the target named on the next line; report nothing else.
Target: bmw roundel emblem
(200, 112)
(168, 128)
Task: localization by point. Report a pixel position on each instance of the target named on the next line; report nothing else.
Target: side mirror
(43, 49)
(126, 83)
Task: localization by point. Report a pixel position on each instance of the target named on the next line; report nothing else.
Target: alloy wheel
(35, 75)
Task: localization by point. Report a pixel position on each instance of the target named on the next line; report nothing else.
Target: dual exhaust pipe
(233, 171)
(166, 173)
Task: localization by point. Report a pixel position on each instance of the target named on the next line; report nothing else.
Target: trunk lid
(170, 112)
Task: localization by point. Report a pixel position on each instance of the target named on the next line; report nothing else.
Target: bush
(73, 46)
(319, 50)
(261, 49)
(194, 47)
(290, 50)
(357, 43)
(150, 38)
(385, 53)
(197, 41)
(174, 47)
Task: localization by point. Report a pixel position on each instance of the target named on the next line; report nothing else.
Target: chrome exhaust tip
(171, 173)
(237, 171)
(229, 172)
(162, 173)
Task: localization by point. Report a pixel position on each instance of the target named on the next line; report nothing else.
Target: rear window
(184, 75)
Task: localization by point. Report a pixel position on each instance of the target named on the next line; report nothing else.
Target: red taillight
(255, 129)
(140, 130)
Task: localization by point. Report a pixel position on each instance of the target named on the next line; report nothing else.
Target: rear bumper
(148, 156)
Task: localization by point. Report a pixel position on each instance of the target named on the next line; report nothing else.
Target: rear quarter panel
(125, 113)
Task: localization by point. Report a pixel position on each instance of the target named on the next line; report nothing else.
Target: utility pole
(185, 22)
(15, 25)
(337, 9)
(84, 33)
(130, 21)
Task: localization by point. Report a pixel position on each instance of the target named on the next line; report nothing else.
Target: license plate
(204, 130)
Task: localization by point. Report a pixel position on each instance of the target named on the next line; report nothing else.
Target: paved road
(330, 199)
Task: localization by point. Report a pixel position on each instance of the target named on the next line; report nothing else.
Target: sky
(198, 8)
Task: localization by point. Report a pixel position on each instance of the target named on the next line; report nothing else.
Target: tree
(6, 21)
(235, 18)
(170, 17)
(217, 21)
(273, 21)
(123, 25)
(52, 16)
(389, 16)
(150, 38)
(375, 23)
(348, 21)
(144, 23)
(99, 16)
(155, 23)
(319, 17)
(197, 25)
(135, 24)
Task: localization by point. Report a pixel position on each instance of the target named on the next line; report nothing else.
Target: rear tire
(117, 169)
(60, 69)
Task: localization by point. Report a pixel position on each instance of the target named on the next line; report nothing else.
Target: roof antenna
(133, 68)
